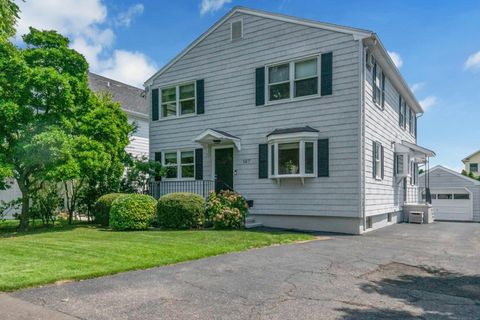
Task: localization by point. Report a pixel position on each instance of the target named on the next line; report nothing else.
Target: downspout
(361, 138)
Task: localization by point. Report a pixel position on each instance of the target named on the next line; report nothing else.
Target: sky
(434, 43)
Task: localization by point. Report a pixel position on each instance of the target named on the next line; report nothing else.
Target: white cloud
(86, 24)
(428, 102)
(130, 67)
(212, 5)
(473, 62)
(396, 59)
(126, 18)
(417, 87)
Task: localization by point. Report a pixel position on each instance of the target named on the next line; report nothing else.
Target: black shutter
(415, 125)
(374, 157)
(260, 86)
(394, 164)
(382, 157)
(327, 74)
(323, 158)
(374, 81)
(199, 164)
(200, 96)
(158, 158)
(263, 161)
(383, 90)
(155, 103)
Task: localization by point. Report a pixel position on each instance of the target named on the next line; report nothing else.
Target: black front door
(224, 169)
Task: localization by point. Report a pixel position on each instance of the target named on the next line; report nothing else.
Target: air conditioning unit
(415, 217)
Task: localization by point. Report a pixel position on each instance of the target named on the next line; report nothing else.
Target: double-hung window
(293, 79)
(378, 84)
(473, 167)
(178, 100)
(412, 122)
(179, 164)
(378, 161)
(402, 111)
(292, 157)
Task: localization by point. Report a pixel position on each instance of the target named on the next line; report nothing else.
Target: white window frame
(291, 79)
(179, 164)
(178, 100)
(292, 138)
(470, 167)
(379, 72)
(231, 29)
(378, 161)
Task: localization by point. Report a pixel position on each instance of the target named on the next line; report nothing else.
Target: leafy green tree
(52, 127)
(8, 17)
(139, 173)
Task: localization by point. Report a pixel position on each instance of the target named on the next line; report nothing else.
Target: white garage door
(452, 204)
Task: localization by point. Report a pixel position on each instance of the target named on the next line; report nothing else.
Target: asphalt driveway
(400, 272)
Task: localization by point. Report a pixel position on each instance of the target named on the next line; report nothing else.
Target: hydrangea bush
(226, 210)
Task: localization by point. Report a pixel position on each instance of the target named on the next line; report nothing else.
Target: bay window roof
(292, 130)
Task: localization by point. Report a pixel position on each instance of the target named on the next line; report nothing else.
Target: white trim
(177, 99)
(291, 79)
(179, 165)
(293, 136)
(301, 157)
(231, 29)
(218, 135)
(359, 33)
(439, 167)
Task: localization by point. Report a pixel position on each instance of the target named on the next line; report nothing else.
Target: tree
(52, 127)
(138, 174)
(8, 18)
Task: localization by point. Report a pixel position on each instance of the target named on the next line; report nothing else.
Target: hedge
(181, 210)
(101, 210)
(132, 212)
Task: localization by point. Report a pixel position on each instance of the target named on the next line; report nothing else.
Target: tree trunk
(24, 215)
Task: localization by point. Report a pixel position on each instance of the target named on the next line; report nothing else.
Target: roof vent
(237, 30)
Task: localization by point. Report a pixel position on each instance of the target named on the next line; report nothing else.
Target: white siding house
(281, 110)
(132, 100)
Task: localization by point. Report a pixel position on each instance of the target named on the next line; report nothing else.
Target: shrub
(181, 210)
(226, 210)
(101, 210)
(132, 212)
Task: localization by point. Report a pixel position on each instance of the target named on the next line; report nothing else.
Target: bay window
(179, 164)
(293, 79)
(295, 157)
(178, 100)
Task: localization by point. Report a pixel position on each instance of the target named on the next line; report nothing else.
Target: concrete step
(250, 219)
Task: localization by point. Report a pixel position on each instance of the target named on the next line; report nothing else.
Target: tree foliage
(8, 18)
(52, 127)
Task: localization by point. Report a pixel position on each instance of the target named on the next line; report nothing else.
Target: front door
(224, 169)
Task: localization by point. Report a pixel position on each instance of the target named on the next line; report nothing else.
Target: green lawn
(49, 255)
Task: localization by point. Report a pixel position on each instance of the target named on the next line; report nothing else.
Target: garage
(455, 197)
(452, 204)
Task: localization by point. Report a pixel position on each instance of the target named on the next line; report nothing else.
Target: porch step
(250, 222)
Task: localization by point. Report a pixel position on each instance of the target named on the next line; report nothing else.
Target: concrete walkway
(400, 272)
(13, 308)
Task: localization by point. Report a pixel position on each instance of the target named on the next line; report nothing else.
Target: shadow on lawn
(432, 293)
(11, 231)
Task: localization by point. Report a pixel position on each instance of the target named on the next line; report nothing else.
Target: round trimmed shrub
(132, 212)
(181, 210)
(101, 209)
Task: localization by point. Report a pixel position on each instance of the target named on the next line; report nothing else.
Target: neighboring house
(311, 122)
(454, 196)
(472, 163)
(132, 100)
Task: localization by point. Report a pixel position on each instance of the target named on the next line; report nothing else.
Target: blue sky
(437, 43)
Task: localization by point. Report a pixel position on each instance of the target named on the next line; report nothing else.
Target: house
(309, 121)
(454, 196)
(471, 163)
(132, 100)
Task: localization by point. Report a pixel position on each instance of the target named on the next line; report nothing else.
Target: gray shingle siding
(229, 72)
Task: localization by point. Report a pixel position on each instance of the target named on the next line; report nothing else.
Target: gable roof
(473, 154)
(455, 173)
(238, 9)
(131, 99)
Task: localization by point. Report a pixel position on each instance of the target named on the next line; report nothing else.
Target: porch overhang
(419, 154)
(217, 137)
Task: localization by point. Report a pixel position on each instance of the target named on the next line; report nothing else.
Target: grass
(48, 255)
